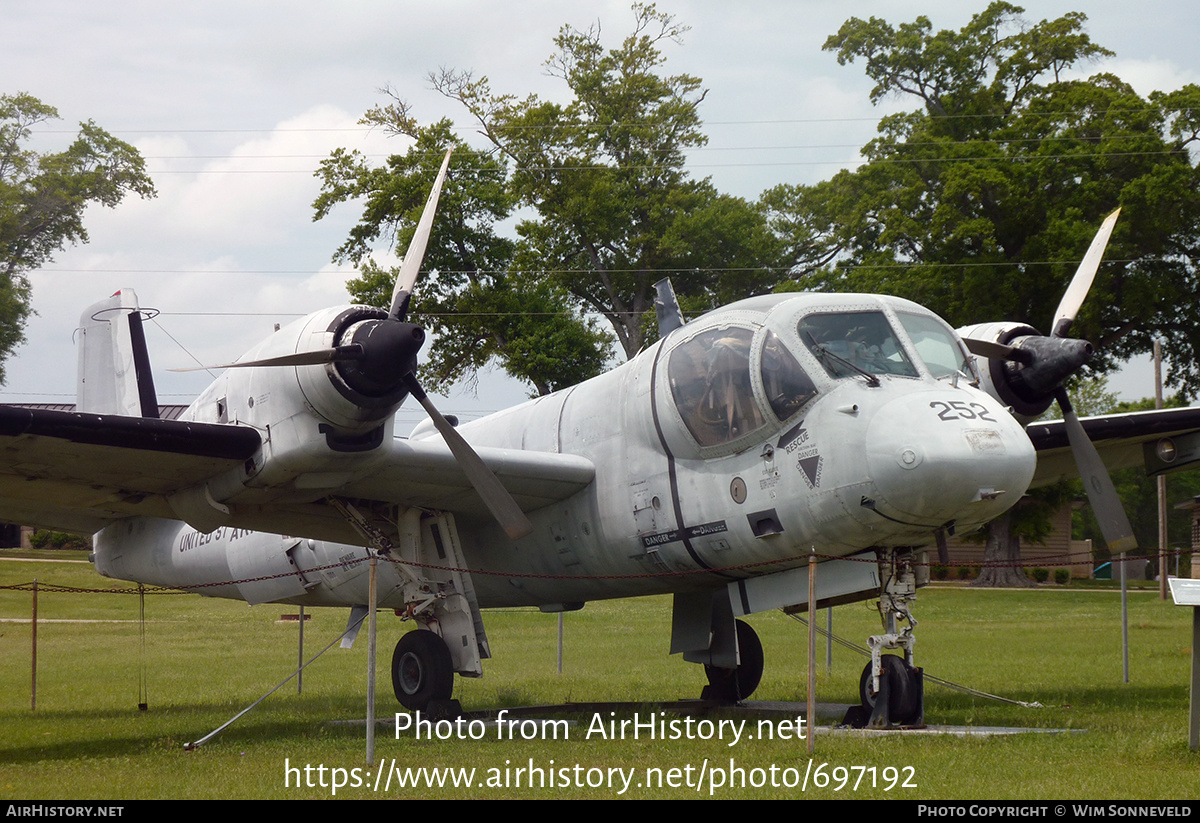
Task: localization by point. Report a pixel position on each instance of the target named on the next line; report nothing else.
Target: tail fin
(114, 364)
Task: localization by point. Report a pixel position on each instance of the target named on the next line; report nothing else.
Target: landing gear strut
(891, 688)
(735, 685)
(441, 600)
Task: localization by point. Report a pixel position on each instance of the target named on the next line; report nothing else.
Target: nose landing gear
(891, 688)
(893, 696)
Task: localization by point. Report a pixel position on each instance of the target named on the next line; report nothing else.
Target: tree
(43, 197)
(981, 202)
(603, 176)
(472, 297)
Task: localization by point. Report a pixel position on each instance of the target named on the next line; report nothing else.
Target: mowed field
(201, 661)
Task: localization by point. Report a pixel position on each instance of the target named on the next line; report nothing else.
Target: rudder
(114, 363)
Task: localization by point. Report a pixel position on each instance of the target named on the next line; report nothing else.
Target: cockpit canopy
(728, 381)
(711, 384)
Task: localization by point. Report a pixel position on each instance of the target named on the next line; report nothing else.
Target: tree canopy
(980, 203)
(605, 208)
(43, 197)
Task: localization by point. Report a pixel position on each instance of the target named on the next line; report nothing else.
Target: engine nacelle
(998, 377)
(356, 395)
(349, 397)
(1027, 380)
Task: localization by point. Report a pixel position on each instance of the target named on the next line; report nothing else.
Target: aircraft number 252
(958, 410)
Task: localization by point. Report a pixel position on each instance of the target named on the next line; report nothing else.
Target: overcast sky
(234, 104)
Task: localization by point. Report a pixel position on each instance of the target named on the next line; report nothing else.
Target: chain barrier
(1076, 558)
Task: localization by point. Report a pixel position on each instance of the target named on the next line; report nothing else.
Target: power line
(473, 127)
(690, 150)
(681, 271)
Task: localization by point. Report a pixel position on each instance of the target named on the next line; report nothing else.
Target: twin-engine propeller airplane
(711, 466)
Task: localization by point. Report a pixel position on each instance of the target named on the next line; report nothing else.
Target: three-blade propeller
(380, 360)
(1045, 362)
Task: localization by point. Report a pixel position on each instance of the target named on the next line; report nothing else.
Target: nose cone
(947, 455)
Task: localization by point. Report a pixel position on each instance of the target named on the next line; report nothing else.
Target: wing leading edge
(1120, 439)
(81, 472)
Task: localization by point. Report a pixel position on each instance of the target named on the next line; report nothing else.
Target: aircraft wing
(80, 472)
(424, 473)
(1120, 439)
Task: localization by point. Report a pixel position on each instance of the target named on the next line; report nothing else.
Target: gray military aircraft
(852, 427)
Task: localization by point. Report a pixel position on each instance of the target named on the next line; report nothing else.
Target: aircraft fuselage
(731, 449)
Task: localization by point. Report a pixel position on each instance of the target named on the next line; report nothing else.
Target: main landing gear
(438, 595)
(736, 684)
(704, 630)
(422, 670)
(891, 688)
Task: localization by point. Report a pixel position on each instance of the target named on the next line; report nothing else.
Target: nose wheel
(422, 671)
(897, 697)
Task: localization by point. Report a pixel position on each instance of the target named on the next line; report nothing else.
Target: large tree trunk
(1002, 557)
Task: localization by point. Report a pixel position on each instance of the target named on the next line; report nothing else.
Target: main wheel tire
(903, 697)
(732, 685)
(422, 670)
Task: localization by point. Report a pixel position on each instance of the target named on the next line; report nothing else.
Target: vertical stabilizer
(666, 307)
(114, 364)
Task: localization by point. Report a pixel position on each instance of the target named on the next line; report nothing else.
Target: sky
(234, 105)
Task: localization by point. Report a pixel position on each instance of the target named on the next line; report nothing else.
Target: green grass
(204, 660)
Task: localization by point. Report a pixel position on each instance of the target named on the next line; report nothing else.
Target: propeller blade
(411, 267)
(997, 351)
(1081, 283)
(499, 502)
(1102, 495)
(304, 358)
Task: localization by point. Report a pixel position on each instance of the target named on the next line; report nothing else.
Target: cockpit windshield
(787, 385)
(935, 344)
(850, 343)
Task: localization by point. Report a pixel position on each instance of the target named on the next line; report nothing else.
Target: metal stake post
(1124, 619)
(33, 665)
(300, 664)
(374, 564)
(812, 648)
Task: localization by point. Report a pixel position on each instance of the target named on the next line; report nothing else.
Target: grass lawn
(204, 660)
